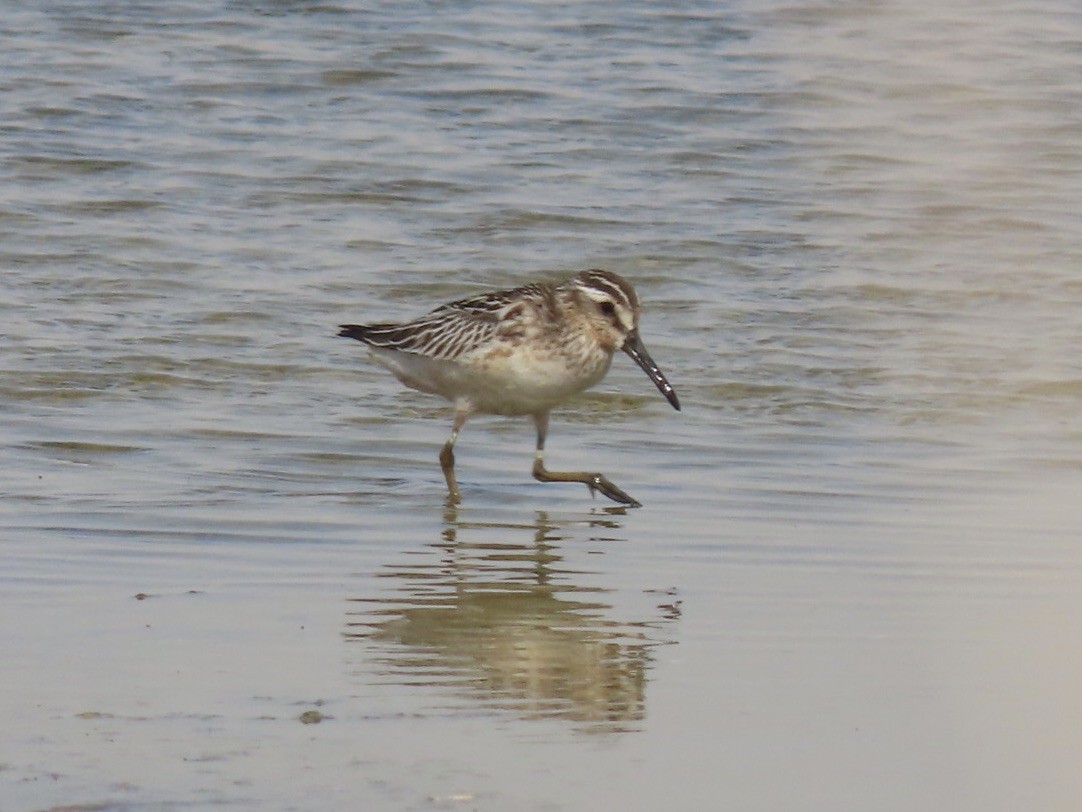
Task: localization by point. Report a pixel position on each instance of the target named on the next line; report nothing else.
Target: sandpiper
(518, 352)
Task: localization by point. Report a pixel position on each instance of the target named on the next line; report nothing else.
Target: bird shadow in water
(491, 615)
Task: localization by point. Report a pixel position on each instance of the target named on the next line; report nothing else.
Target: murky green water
(229, 577)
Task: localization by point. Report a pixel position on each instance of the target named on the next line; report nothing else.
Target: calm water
(856, 582)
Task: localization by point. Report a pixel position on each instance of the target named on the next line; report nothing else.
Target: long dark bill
(634, 347)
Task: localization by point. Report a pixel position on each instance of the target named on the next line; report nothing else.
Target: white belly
(509, 384)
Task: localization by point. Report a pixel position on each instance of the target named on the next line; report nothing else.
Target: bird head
(612, 307)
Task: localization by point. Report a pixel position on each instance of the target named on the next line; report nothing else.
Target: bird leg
(447, 456)
(594, 481)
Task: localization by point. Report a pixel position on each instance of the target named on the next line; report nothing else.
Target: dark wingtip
(350, 331)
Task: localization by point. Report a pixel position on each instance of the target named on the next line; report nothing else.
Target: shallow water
(229, 576)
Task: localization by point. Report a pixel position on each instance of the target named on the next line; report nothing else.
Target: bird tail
(375, 335)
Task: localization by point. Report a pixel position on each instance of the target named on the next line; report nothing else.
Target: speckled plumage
(517, 352)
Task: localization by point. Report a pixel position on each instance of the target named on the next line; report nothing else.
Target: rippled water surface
(229, 576)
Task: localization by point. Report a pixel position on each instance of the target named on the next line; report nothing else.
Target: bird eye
(606, 308)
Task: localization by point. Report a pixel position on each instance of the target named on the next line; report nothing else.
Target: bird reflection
(491, 613)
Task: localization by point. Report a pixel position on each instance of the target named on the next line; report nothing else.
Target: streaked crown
(615, 306)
